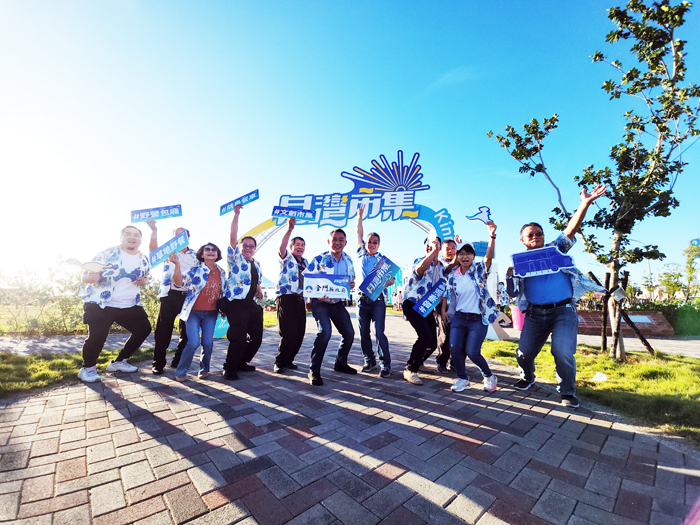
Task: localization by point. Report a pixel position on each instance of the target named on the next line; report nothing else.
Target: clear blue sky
(107, 107)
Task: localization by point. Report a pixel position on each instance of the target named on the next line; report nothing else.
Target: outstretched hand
(588, 198)
(291, 223)
(360, 211)
(151, 224)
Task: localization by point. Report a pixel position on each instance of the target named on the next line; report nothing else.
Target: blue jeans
(562, 323)
(467, 334)
(206, 320)
(367, 312)
(324, 313)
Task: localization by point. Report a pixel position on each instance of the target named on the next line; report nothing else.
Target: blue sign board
(480, 248)
(430, 300)
(388, 191)
(317, 285)
(249, 197)
(296, 213)
(375, 282)
(484, 215)
(540, 261)
(174, 245)
(164, 212)
(695, 242)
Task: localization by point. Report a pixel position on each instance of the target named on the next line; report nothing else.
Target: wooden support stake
(606, 296)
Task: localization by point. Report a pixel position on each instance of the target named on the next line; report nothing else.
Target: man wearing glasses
(245, 317)
(549, 302)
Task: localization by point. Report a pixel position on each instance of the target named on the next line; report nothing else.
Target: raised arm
(360, 229)
(234, 226)
(285, 240)
(488, 258)
(177, 274)
(586, 200)
(429, 258)
(153, 243)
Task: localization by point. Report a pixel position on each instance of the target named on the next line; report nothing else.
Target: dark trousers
(325, 313)
(245, 331)
(170, 307)
(291, 318)
(443, 341)
(99, 320)
(368, 312)
(425, 330)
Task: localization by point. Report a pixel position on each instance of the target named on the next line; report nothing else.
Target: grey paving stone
(316, 515)
(257, 452)
(660, 518)
(317, 454)
(446, 458)
(314, 472)
(457, 478)
(586, 496)
(161, 455)
(531, 482)
(490, 471)
(14, 460)
(554, 507)
(184, 503)
(603, 482)
(470, 504)
(424, 468)
(388, 499)
(180, 440)
(136, 474)
(386, 453)
(206, 478)
(10, 486)
(600, 516)
(106, 498)
(223, 458)
(578, 464)
(351, 485)
(430, 512)
(74, 516)
(512, 461)
(428, 489)
(9, 505)
(279, 483)
(287, 461)
(576, 520)
(160, 518)
(348, 510)
(229, 513)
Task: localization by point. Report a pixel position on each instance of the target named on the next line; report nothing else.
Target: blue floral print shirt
(326, 262)
(239, 275)
(419, 285)
(288, 282)
(579, 282)
(101, 292)
(169, 269)
(478, 273)
(194, 281)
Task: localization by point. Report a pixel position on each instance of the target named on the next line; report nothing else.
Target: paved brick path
(361, 450)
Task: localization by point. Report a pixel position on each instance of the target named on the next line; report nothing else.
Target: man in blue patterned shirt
(325, 310)
(245, 317)
(291, 308)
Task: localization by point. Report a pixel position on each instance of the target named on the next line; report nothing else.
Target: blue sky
(107, 107)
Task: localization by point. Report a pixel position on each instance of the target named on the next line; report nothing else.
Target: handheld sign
(317, 285)
(480, 248)
(249, 197)
(695, 242)
(430, 300)
(90, 266)
(376, 280)
(484, 215)
(164, 212)
(282, 212)
(540, 261)
(174, 245)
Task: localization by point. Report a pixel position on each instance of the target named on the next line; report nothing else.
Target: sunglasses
(533, 235)
(210, 249)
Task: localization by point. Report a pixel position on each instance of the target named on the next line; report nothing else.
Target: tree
(691, 272)
(649, 285)
(670, 280)
(647, 161)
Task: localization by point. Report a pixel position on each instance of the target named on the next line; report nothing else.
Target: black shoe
(278, 369)
(441, 369)
(245, 367)
(344, 369)
(157, 371)
(315, 379)
(230, 375)
(523, 385)
(292, 366)
(385, 371)
(569, 401)
(173, 363)
(369, 367)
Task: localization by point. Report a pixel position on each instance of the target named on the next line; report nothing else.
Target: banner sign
(388, 190)
(480, 248)
(376, 280)
(250, 197)
(174, 245)
(430, 300)
(164, 212)
(540, 261)
(695, 242)
(484, 215)
(297, 213)
(317, 285)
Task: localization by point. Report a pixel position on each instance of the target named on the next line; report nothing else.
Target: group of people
(197, 289)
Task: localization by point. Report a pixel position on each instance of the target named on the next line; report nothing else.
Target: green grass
(19, 373)
(269, 319)
(662, 391)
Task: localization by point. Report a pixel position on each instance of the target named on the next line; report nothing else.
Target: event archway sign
(388, 191)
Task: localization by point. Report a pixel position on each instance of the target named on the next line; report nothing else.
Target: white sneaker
(412, 377)
(490, 383)
(121, 366)
(460, 385)
(89, 375)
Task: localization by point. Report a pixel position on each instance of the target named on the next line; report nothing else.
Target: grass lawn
(662, 391)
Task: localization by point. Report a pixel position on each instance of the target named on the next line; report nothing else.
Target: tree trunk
(617, 347)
